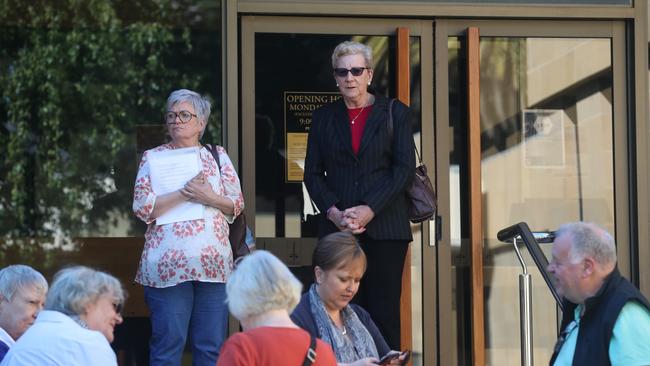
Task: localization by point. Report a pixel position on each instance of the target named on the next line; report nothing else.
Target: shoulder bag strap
(390, 129)
(390, 118)
(310, 357)
(215, 154)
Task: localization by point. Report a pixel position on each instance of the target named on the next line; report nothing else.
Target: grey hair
(589, 239)
(74, 288)
(19, 276)
(352, 48)
(200, 103)
(261, 283)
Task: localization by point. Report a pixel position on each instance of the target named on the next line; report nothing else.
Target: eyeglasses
(118, 306)
(343, 72)
(185, 116)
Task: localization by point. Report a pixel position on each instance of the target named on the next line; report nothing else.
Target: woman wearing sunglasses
(356, 171)
(76, 326)
(185, 264)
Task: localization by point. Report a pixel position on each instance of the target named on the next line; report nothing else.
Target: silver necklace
(343, 331)
(355, 118)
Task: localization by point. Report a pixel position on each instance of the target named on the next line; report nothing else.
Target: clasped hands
(198, 190)
(353, 219)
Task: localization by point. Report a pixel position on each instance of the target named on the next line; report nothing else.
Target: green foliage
(76, 78)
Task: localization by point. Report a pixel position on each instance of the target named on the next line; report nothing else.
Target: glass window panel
(83, 90)
(294, 73)
(280, 83)
(547, 158)
(83, 87)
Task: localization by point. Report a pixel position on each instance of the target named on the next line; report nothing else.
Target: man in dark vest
(606, 320)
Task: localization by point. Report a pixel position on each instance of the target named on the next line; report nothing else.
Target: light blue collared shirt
(630, 343)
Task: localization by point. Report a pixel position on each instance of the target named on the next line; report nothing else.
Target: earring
(369, 83)
(337, 85)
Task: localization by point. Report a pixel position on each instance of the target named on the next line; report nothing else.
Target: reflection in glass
(83, 94)
(547, 158)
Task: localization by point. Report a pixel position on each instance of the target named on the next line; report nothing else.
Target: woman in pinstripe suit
(357, 170)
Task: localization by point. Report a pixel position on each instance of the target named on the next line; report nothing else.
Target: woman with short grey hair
(19, 276)
(261, 294)
(185, 264)
(76, 327)
(22, 295)
(358, 164)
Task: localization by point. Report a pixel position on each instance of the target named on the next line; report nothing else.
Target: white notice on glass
(169, 171)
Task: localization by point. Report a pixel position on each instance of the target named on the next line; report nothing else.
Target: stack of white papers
(170, 170)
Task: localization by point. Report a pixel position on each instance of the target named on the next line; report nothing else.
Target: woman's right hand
(336, 217)
(170, 200)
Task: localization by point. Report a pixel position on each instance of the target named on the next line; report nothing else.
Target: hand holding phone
(393, 355)
(388, 357)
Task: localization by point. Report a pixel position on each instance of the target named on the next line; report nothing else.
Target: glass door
(286, 74)
(553, 149)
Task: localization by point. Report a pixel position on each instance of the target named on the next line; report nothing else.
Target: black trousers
(381, 286)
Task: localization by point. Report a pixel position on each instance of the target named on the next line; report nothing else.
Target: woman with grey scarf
(325, 310)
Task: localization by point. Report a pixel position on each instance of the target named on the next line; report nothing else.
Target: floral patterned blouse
(194, 250)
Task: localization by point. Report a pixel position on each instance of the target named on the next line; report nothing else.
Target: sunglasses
(343, 72)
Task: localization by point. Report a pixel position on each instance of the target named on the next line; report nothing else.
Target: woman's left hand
(199, 190)
(402, 359)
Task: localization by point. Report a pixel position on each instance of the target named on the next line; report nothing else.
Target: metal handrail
(521, 233)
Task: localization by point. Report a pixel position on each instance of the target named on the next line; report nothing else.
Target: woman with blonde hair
(261, 294)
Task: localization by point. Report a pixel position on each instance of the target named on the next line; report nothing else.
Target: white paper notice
(169, 171)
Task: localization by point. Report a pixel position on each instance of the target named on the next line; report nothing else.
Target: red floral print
(196, 250)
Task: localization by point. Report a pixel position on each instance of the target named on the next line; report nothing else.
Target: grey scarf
(357, 343)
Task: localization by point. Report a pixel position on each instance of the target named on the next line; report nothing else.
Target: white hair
(589, 239)
(348, 48)
(74, 288)
(200, 103)
(19, 276)
(260, 283)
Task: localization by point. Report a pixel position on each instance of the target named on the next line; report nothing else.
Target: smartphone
(393, 355)
(389, 357)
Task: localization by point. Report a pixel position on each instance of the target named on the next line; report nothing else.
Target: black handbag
(237, 235)
(420, 193)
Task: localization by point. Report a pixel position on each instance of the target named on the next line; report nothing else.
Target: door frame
(250, 25)
(614, 30)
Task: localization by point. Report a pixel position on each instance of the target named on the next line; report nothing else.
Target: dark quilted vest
(597, 323)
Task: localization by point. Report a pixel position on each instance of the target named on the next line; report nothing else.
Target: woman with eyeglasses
(185, 264)
(77, 323)
(356, 171)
